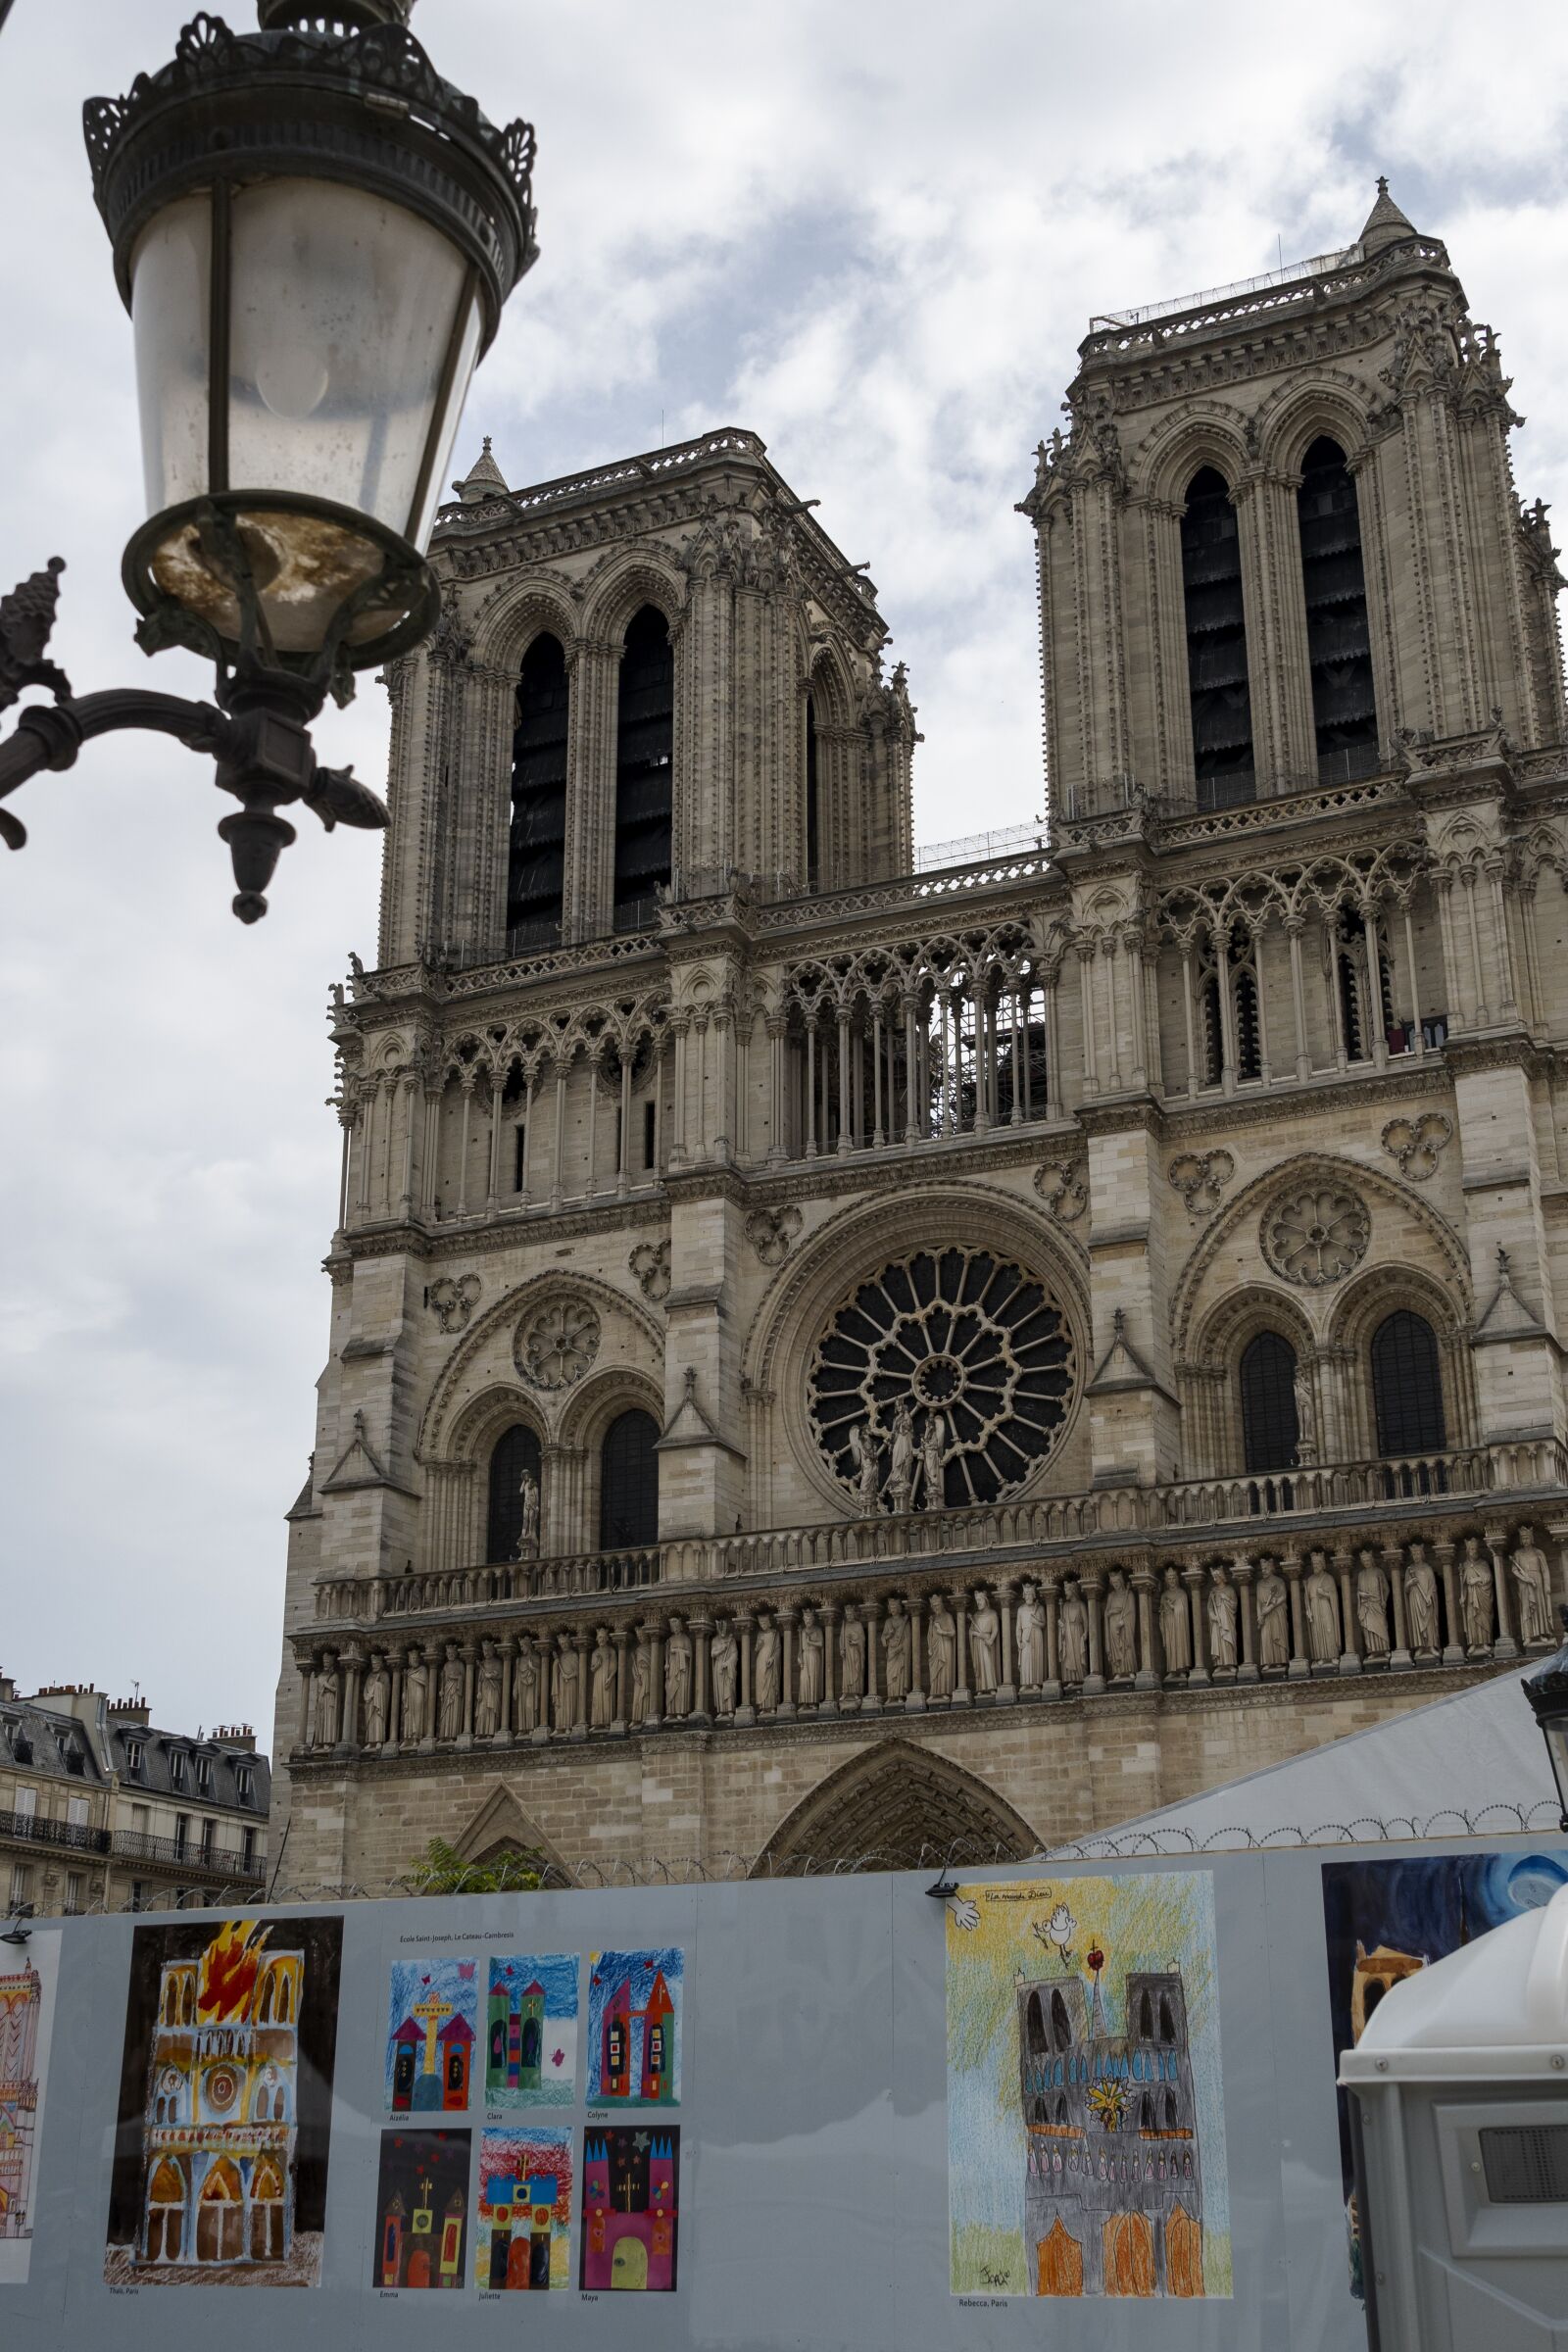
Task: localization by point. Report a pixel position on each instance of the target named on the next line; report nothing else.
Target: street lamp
(1546, 1689)
(314, 235)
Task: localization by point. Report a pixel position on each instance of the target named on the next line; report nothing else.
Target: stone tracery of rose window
(977, 1356)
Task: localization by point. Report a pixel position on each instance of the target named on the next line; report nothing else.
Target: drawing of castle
(516, 2035)
(1114, 2199)
(433, 2052)
(629, 2209)
(218, 2133)
(655, 2075)
(20, 1999)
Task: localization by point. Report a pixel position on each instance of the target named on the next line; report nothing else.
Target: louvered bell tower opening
(1216, 645)
(645, 750)
(1338, 644)
(537, 861)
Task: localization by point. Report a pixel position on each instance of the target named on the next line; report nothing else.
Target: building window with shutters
(1339, 647)
(73, 1893)
(1217, 645)
(645, 754)
(536, 861)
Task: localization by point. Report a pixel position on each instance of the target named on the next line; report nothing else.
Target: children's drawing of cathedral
(224, 2073)
(634, 2005)
(421, 2204)
(530, 2057)
(431, 2032)
(25, 2010)
(630, 2208)
(524, 2232)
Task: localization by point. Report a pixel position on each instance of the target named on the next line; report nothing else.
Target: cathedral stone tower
(838, 1352)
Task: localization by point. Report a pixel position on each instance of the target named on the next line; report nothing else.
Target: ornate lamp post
(1546, 1689)
(314, 235)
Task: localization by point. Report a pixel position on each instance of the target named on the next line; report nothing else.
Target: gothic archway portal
(897, 1807)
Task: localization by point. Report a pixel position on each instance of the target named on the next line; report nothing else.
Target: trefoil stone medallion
(557, 1344)
(1316, 1235)
(944, 1380)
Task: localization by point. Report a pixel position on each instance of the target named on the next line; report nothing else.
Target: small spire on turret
(484, 479)
(1386, 224)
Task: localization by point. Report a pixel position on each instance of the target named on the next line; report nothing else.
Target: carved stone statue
(1121, 1628)
(1306, 1417)
(852, 1655)
(1421, 1602)
(565, 1675)
(377, 1700)
(1372, 1605)
(487, 1694)
(601, 1683)
(529, 1536)
(1175, 1628)
(897, 1654)
(867, 1475)
(678, 1670)
(767, 1664)
(328, 1703)
(525, 1689)
(901, 1459)
(642, 1659)
(941, 1650)
(726, 1662)
(1477, 1595)
(415, 1696)
(1073, 1636)
(1321, 1598)
(1273, 1620)
(985, 1643)
(1221, 1614)
(933, 1458)
(813, 1651)
(1030, 1633)
(449, 1725)
(1532, 1577)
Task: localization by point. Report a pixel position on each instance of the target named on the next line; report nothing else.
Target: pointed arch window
(516, 1451)
(1217, 645)
(1408, 1387)
(1339, 645)
(645, 754)
(813, 821)
(1270, 1429)
(628, 1483)
(537, 858)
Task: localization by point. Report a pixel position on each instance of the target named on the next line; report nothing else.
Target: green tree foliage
(442, 1869)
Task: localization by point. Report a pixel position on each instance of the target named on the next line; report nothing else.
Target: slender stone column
(622, 1718)
(1241, 1574)
(1300, 1668)
(542, 1651)
(394, 1703)
(745, 1712)
(465, 1736)
(1051, 1592)
(1146, 1584)
(1007, 1687)
(348, 1730)
(1453, 1649)
(701, 1629)
(915, 1700)
(788, 1620)
(1399, 1659)
(1496, 1540)
(654, 1714)
(1343, 1569)
(872, 1618)
(509, 1651)
(960, 1669)
(1196, 1582)
(1094, 1590)
(579, 1724)
(623, 1144)
(829, 1614)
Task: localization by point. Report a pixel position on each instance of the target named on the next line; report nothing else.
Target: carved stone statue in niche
(941, 1650)
(566, 1672)
(867, 1474)
(642, 1658)
(525, 1688)
(1175, 1628)
(726, 1659)
(678, 1670)
(933, 1461)
(1306, 1417)
(1477, 1595)
(1531, 1578)
(901, 1459)
(1030, 1633)
(528, 1534)
(487, 1694)
(449, 1725)
(601, 1683)
(378, 1699)
(328, 1703)
(1121, 1628)
(415, 1696)
(1222, 1621)
(1421, 1602)
(985, 1643)
(896, 1653)
(1322, 1601)
(852, 1655)
(1074, 1632)
(1273, 1620)
(1372, 1607)
(813, 1651)
(767, 1664)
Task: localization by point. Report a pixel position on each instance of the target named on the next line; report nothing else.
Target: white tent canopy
(1474, 1763)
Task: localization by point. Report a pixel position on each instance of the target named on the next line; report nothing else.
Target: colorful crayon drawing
(532, 2032)
(421, 2208)
(524, 2224)
(27, 2024)
(432, 2026)
(630, 2207)
(1086, 2129)
(226, 2098)
(1383, 1920)
(635, 2004)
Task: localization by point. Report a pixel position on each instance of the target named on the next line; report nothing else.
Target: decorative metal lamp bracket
(258, 730)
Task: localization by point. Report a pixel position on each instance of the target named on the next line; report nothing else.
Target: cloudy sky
(873, 234)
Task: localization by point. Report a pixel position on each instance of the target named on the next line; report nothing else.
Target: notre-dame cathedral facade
(837, 1353)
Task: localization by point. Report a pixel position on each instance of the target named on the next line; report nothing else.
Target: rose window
(953, 1365)
(555, 1347)
(1316, 1236)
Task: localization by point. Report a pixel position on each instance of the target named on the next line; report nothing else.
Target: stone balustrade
(1061, 1630)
